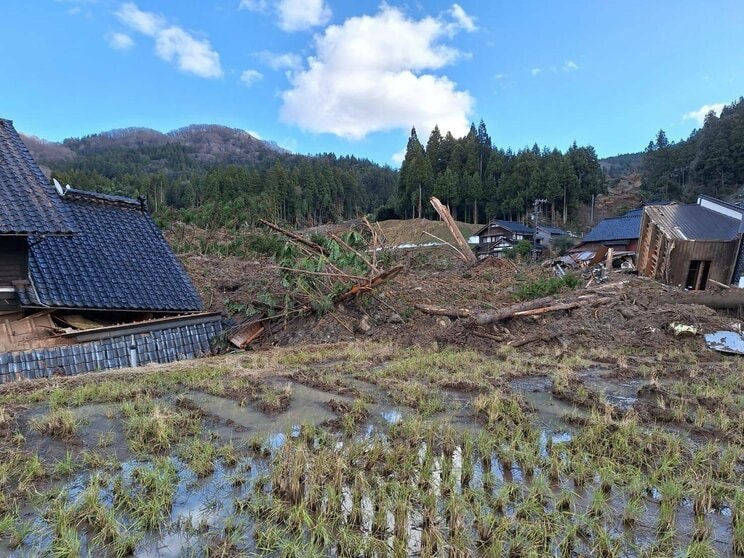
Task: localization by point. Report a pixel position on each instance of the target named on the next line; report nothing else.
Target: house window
(697, 275)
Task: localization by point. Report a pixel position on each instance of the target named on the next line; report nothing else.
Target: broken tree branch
(462, 256)
(356, 252)
(296, 237)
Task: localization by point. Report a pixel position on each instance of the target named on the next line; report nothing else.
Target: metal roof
(616, 228)
(118, 260)
(29, 203)
(693, 222)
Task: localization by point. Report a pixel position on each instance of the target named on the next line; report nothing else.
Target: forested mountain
(622, 165)
(479, 181)
(217, 176)
(710, 161)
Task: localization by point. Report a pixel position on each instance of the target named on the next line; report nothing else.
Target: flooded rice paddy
(372, 451)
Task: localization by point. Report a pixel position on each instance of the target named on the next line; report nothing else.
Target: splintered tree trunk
(456, 234)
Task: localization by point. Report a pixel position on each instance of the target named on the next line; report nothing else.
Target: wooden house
(689, 245)
(499, 235)
(546, 234)
(619, 233)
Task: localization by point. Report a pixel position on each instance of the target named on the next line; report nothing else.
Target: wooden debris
(241, 335)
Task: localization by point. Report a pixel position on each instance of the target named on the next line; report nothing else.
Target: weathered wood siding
(13, 259)
(167, 345)
(721, 254)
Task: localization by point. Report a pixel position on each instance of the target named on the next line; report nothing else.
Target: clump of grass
(274, 400)
(199, 455)
(59, 423)
(148, 495)
(418, 396)
(66, 466)
(105, 439)
(159, 428)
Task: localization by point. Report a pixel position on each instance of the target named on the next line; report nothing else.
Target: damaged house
(692, 245)
(87, 281)
(619, 233)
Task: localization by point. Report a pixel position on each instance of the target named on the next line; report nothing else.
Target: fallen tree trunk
(537, 307)
(547, 309)
(505, 313)
(449, 312)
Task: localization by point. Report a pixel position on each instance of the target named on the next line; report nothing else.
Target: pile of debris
(317, 274)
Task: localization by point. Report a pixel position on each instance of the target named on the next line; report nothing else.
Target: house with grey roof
(619, 233)
(545, 235)
(498, 235)
(87, 280)
(692, 245)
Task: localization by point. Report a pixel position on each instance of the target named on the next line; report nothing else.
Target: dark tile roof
(693, 222)
(552, 230)
(28, 202)
(513, 226)
(118, 260)
(616, 228)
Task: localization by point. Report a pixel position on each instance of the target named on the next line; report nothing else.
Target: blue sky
(353, 77)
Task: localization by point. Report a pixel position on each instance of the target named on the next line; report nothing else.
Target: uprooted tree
(317, 273)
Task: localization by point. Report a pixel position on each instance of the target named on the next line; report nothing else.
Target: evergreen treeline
(296, 189)
(710, 161)
(479, 181)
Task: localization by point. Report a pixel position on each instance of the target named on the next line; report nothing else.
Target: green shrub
(546, 287)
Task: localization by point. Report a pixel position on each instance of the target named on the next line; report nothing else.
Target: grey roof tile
(616, 228)
(28, 202)
(118, 260)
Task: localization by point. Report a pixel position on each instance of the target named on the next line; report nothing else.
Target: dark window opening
(697, 276)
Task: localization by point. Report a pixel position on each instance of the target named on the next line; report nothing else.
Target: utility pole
(591, 218)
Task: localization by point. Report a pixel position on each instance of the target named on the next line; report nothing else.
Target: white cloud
(146, 23)
(120, 41)
(296, 15)
(254, 134)
(173, 43)
(462, 19)
(367, 76)
(280, 60)
(535, 71)
(570, 66)
(254, 5)
(399, 156)
(249, 77)
(699, 114)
